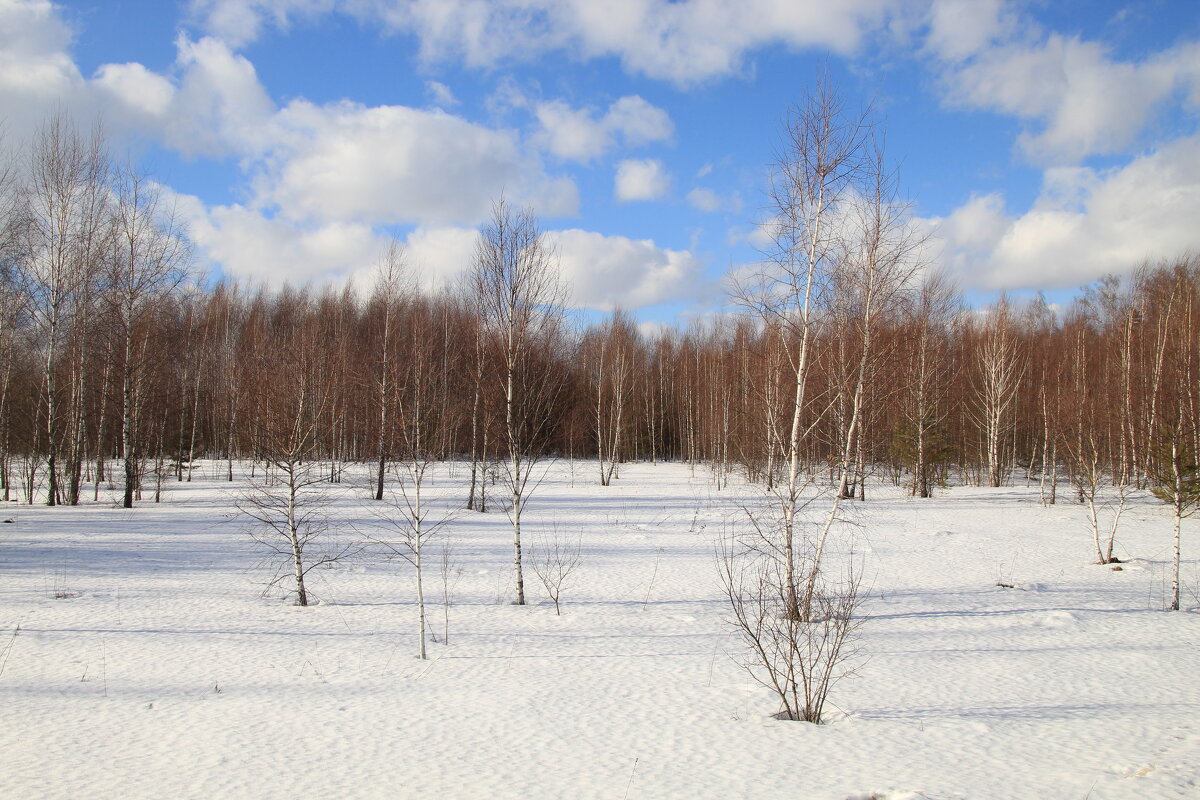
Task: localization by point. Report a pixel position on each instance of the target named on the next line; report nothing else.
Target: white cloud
(441, 256)
(257, 249)
(571, 133)
(239, 22)
(392, 164)
(318, 176)
(341, 162)
(1078, 99)
(441, 94)
(37, 75)
(33, 44)
(250, 246)
(1085, 223)
(337, 163)
(638, 122)
(603, 272)
(704, 200)
(349, 163)
(641, 179)
(577, 134)
(140, 91)
(684, 42)
(962, 28)
(976, 227)
(607, 272)
(219, 108)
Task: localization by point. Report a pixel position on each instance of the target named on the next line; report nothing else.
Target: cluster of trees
(849, 355)
(89, 260)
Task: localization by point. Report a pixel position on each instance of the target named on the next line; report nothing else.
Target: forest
(848, 355)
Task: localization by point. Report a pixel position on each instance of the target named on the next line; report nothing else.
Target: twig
(8, 647)
(653, 575)
(635, 763)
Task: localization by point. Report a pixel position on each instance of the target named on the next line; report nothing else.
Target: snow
(148, 664)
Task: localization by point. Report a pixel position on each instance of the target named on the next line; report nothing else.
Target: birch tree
(390, 289)
(516, 284)
(150, 258)
(819, 162)
(287, 505)
(881, 254)
(409, 520)
(64, 218)
(612, 361)
(998, 378)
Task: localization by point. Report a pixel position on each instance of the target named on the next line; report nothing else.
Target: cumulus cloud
(1086, 102)
(603, 272)
(607, 272)
(254, 248)
(37, 75)
(217, 107)
(962, 28)
(441, 256)
(139, 90)
(641, 179)
(684, 42)
(1085, 223)
(578, 134)
(1078, 99)
(392, 164)
(335, 163)
(320, 178)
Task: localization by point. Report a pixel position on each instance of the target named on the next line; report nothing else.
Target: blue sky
(1042, 144)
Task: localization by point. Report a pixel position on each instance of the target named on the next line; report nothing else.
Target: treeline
(118, 368)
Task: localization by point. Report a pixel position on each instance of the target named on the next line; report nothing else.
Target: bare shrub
(799, 659)
(553, 560)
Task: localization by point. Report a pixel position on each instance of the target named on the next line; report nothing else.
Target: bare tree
(480, 416)
(880, 255)
(554, 560)
(10, 306)
(999, 372)
(1176, 481)
(390, 288)
(288, 502)
(150, 258)
(288, 508)
(451, 573)
(519, 299)
(409, 520)
(611, 368)
(65, 220)
(1175, 468)
(1104, 509)
(819, 163)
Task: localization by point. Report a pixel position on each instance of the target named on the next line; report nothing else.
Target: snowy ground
(148, 664)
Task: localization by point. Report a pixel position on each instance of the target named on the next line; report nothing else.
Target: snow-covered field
(148, 664)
